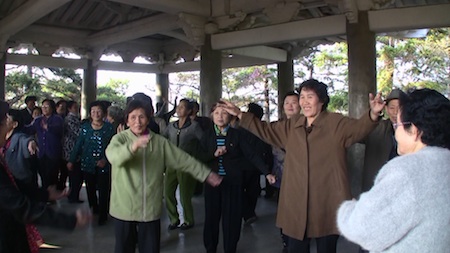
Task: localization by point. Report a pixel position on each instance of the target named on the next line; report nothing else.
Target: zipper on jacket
(144, 195)
(178, 137)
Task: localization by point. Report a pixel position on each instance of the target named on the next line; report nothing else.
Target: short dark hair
(256, 110)
(147, 100)
(319, 88)
(291, 93)
(189, 104)
(429, 111)
(137, 104)
(70, 103)
(99, 104)
(62, 101)
(17, 117)
(28, 98)
(51, 103)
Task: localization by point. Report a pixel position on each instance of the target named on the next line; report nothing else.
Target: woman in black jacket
(225, 152)
(17, 210)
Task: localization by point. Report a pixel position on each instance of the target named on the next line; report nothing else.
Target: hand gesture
(214, 179)
(220, 151)
(231, 108)
(141, 142)
(32, 147)
(120, 128)
(271, 178)
(376, 105)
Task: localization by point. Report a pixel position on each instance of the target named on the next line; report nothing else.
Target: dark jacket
(50, 140)
(27, 117)
(16, 210)
(262, 149)
(23, 167)
(238, 150)
(18, 157)
(379, 144)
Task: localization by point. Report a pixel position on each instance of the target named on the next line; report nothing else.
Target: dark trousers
(75, 182)
(251, 191)
(146, 234)
(326, 244)
(100, 181)
(49, 170)
(223, 202)
(62, 175)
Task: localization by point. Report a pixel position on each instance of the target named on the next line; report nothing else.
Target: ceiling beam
(400, 19)
(27, 14)
(261, 52)
(171, 6)
(46, 61)
(293, 31)
(134, 30)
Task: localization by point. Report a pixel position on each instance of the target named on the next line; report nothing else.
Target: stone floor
(261, 236)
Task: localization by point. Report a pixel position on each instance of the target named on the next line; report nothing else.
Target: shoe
(186, 226)
(250, 220)
(173, 226)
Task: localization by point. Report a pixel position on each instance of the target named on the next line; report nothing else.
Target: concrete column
(2, 76)
(362, 81)
(88, 88)
(285, 81)
(210, 76)
(162, 89)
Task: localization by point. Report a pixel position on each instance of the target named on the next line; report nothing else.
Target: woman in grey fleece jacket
(408, 208)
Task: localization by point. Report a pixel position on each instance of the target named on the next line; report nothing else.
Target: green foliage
(58, 83)
(18, 85)
(339, 101)
(114, 92)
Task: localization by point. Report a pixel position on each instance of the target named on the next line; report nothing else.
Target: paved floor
(261, 236)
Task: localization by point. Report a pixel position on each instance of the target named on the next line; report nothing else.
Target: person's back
(415, 190)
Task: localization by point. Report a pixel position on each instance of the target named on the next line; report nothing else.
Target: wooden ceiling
(171, 32)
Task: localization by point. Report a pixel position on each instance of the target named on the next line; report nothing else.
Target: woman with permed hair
(408, 208)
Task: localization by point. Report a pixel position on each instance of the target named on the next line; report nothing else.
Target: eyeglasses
(396, 125)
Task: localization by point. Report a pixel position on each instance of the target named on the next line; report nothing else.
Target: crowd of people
(132, 161)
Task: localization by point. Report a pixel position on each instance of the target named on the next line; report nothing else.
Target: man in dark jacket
(27, 112)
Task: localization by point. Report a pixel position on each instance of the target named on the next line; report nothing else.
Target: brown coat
(315, 180)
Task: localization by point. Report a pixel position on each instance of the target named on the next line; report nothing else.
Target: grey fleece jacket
(408, 208)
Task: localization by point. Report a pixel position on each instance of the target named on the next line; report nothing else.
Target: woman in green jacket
(138, 158)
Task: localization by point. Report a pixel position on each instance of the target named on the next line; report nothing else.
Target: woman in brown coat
(315, 180)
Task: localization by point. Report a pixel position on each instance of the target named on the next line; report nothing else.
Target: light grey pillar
(2, 76)
(362, 81)
(210, 76)
(88, 88)
(162, 89)
(285, 81)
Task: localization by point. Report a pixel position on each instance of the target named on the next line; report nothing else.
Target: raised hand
(230, 108)
(376, 105)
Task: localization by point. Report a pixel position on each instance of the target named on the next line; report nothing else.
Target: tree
(114, 91)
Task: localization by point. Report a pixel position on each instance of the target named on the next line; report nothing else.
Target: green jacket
(137, 178)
